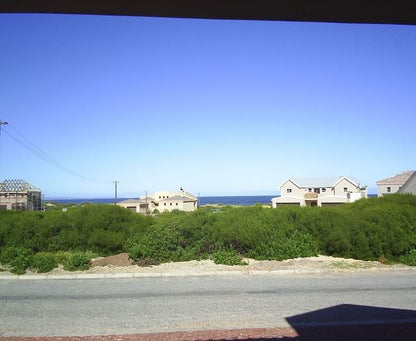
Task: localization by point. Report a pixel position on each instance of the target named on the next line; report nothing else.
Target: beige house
(319, 192)
(395, 183)
(162, 201)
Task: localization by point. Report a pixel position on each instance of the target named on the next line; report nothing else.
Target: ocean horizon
(241, 200)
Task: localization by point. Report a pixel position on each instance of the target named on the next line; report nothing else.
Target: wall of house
(332, 200)
(383, 189)
(328, 192)
(170, 205)
(410, 185)
(344, 186)
(295, 190)
(24, 201)
(160, 195)
(190, 206)
(280, 201)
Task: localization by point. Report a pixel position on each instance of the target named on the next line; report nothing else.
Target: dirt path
(321, 264)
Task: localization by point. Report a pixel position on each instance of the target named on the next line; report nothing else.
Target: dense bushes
(371, 229)
(19, 259)
(368, 229)
(99, 228)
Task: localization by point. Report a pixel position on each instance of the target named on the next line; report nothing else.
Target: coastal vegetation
(381, 229)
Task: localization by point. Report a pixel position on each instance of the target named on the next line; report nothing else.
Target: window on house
(317, 190)
(345, 189)
(289, 190)
(388, 189)
(323, 190)
(170, 204)
(309, 189)
(177, 204)
(164, 204)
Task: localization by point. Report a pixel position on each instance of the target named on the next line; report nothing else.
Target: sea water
(214, 200)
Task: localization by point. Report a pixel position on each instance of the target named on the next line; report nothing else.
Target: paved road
(143, 305)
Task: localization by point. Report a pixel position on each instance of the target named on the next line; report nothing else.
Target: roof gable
(326, 182)
(398, 179)
(17, 185)
(316, 182)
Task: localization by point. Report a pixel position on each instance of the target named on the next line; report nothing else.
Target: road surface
(147, 305)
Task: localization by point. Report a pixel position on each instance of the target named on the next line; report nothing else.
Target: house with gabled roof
(19, 195)
(162, 201)
(404, 182)
(319, 191)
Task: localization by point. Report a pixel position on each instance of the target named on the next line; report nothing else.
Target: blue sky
(216, 107)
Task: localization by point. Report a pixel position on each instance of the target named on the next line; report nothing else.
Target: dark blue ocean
(224, 200)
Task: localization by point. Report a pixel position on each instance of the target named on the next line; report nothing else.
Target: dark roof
(352, 11)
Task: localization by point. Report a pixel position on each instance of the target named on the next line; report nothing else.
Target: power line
(31, 147)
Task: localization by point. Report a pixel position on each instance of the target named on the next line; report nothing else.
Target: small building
(404, 182)
(19, 195)
(319, 192)
(162, 201)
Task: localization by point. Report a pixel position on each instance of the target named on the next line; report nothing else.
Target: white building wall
(383, 189)
(160, 195)
(344, 186)
(295, 191)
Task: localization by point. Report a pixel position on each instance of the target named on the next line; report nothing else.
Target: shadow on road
(355, 322)
(348, 322)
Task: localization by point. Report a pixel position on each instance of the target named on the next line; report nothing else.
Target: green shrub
(135, 252)
(17, 258)
(61, 256)
(106, 242)
(160, 243)
(280, 247)
(77, 261)
(227, 257)
(44, 262)
(409, 258)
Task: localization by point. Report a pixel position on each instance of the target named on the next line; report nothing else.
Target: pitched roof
(146, 199)
(178, 198)
(321, 182)
(410, 185)
(398, 179)
(129, 201)
(17, 185)
(316, 182)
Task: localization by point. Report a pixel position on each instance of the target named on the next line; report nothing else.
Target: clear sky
(216, 107)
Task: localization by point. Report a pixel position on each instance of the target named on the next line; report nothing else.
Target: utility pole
(2, 123)
(115, 192)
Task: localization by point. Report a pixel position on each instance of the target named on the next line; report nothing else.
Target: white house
(319, 192)
(162, 201)
(397, 183)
